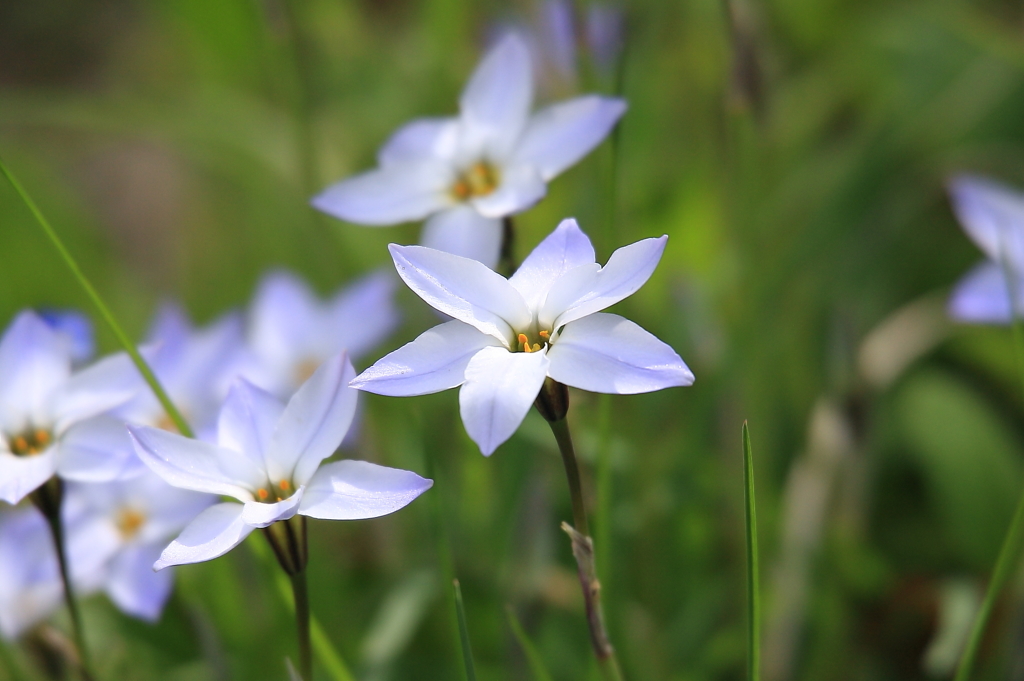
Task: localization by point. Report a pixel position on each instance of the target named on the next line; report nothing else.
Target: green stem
(467, 651)
(507, 258)
(49, 499)
(122, 338)
(301, 595)
(560, 429)
(753, 570)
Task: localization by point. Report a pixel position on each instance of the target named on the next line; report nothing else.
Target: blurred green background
(794, 150)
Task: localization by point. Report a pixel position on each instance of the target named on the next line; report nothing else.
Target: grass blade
(753, 574)
(467, 651)
(533, 658)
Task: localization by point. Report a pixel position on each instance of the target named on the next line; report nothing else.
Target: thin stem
(49, 499)
(301, 594)
(507, 259)
(468, 666)
(753, 570)
(560, 429)
(122, 338)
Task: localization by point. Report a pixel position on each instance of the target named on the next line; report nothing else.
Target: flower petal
(389, 195)
(106, 384)
(992, 215)
(606, 353)
(560, 135)
(247, 420)
(500, 387)
(983, 297)
(462, 230)
(585, 290)
(423, 138)
(134, 587)
(464, 289)
(34, 361)
(196, 465)
(435, 361)
(497, 99)
(521, 186)
(314, 422)
(97, 450)
(20, 475)
(564, 249)
(213, 533)
(259, 514)
(354, 490)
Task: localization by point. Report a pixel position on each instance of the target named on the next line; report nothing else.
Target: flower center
(304, 370)
(129, 521)
(480, 179)
(275, 492)
(526, 344)
(31, 442)
(166, 423)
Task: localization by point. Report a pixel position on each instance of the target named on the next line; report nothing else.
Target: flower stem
(301, 594)
(560, 429)
(288, 539)
(507, 259)
(48, 499)
(122, 338)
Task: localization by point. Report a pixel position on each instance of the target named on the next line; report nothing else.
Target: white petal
(462, 230)
(34, 362)
(421, 139)
(199, 466)
(364, 314)
(314, 422)
(496, 102)
(97, 450)
(993, 216)
(500, 388)
(353, 490)
(247, 421)
(20, 475)
(389, 195)
(983, 297)
(283, 316)
(213, 533)
(606, 353)
(260, 514)
(464, 289)
(435, 361)
(564, 249)
(585, 290)
(108, 383)
(560, 135)
(134, 587)
(521, 186)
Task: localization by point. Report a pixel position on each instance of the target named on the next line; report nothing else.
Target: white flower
(134, 519)
(46, 411)
(993, 217)
(268, 457)
(466, 173)
(509, 334)
(292, 332)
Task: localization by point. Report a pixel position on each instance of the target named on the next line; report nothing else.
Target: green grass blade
(753, 578)
(122, 338)
(533, 658)
(467, 651)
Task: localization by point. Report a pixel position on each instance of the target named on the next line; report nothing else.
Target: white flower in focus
(465, 174)
(510, 334)
(292, 332)
(135, 519)
(992, 215)
(46, 411)
(268, 456)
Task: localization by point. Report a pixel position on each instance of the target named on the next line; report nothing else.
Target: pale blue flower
(508, 335)
(464, 174)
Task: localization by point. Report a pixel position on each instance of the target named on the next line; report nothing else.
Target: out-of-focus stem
(507, 258)
(301, 595)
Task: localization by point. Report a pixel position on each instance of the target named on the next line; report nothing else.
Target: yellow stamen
(262, 494)
(536, 347)
(129, 521)
(20, 445)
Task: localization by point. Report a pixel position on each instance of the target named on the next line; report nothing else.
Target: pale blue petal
(354, 490)
(520, 187)
(213, 533)
(983, 297)
(134, 587)
(20, 475)
(564, 249)
(98, 450)
(390, 195)
(34, 363)
(362, 315)
(992, 215)
(424, 138)
(247, 421)
(261, 514)
(463, 231)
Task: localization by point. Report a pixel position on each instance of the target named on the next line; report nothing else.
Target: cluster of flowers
(270, 397)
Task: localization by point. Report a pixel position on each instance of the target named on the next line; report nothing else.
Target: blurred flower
(508, 335)
(268, 456)
(604, 29)
(45, 411)
(76, 329)
(992, 215)
(195, 367)
(292, 332)
(465, 174)
(135, 519)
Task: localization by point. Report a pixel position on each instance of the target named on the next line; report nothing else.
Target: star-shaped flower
(268, 456)
(467, 173)
(48, 415)
(992, 215)
(508, 335)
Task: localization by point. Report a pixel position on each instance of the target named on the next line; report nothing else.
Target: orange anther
(42, 437)
(20, 444)
(262, 494)
(284, 485)
(543, 334)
